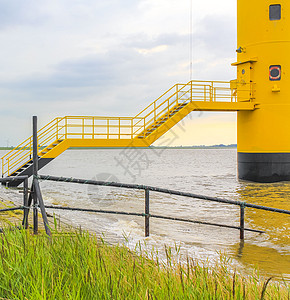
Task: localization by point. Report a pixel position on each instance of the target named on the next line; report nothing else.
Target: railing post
(30, 148)
(108, 128)
(147, 213)
(93, 129)
(191, 91)
(8, 167)
(65, 125)
(57, 120)
(242, 221)
(119, 128)
(132, 129)
(35, 171)
(83, 126)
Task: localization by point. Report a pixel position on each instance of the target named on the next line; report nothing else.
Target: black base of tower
(264, 167)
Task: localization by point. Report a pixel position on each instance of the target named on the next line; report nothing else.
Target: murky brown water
(208, 172)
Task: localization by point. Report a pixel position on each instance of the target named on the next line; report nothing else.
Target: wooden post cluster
(35, 173)
(35, 192)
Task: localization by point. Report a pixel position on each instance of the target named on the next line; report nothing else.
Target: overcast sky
(112, 57)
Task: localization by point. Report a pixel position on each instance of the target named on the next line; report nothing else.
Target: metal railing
(92, 127)
(36, 192)
(147, 215)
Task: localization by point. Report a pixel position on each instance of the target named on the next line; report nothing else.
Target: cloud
(142, 40)
(102, 57)
(218, 34)
(19, 12)
(124, 65)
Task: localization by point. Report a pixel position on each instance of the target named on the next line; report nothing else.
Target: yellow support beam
(222, 106)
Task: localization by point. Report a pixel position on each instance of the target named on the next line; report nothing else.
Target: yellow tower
(263, 61)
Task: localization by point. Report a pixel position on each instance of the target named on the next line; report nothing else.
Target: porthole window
(275, 12)
(275, 73)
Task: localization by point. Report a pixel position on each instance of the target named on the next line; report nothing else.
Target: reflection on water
(271, 251)
(273, 195)
(267, 259)
(208, 172)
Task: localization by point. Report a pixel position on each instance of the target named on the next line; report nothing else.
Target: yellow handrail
(126, 127)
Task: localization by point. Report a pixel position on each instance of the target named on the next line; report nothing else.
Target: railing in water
(91, 127)
(146, 214)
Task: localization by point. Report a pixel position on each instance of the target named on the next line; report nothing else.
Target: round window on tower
(275, 72)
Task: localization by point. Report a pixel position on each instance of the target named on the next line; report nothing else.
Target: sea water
(211, 172)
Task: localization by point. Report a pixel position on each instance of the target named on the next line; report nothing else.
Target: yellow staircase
(139, 131)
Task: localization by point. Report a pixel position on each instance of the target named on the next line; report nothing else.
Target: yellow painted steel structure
(264, 43)
(260, 95)
(263, 59)
(139, 131)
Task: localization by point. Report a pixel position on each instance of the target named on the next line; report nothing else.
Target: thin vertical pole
(57, 128)
(93, 120)
(191, 91)
(108, 130)
(35, 172)
(25, 204)
(66, 125)
(147, 213)
(242, 222)
(41, 204)
(119, 128)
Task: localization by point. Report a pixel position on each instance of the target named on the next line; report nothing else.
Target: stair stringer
(161, 120)
(57, 150)
(162, 129)
(42, 161)
(28, 171)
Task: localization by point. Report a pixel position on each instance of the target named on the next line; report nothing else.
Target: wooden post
(29, 201)
(35, 172)
(36, 193)
(41, 204)
(25, 204)
(242, 222)
(147, 213)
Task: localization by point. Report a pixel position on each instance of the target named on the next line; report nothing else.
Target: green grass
(77, 265)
